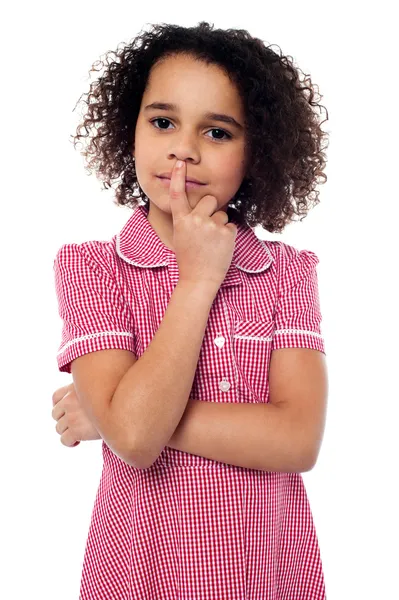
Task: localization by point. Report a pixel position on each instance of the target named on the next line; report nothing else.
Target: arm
(124, 396)
(165, 370)
(284, 434)
(254, 436)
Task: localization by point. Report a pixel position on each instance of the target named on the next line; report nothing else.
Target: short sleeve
(94, 314)
(298, 316)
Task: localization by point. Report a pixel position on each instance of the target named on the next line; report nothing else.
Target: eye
(213, 129)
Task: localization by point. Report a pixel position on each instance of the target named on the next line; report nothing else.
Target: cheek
(230, 177)
(144, 166)
(232, 167)
(143, 176)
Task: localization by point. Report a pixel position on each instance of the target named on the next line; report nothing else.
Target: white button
(219, 341)
(224, 385)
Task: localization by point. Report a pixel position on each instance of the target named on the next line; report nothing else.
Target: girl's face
(212, 149)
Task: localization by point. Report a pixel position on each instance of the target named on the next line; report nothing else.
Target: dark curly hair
(283, 134)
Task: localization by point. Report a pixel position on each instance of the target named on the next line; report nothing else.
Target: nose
(184, 148)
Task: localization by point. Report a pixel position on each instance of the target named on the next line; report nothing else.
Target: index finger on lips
(177, 191)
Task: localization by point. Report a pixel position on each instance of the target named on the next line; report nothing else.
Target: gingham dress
(190, 528)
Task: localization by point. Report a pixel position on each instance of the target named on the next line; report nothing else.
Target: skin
(210, 155)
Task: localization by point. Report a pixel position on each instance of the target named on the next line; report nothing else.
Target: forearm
(255, 436)
(166, 370)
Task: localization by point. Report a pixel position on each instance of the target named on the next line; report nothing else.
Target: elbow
(128, 453)
(142, 457)
(309, 461)
(138, 458)
(129, 450)
(306, 466)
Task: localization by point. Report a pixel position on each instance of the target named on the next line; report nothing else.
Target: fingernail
(179, 164)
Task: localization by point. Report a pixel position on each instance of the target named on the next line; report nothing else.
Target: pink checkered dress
(190, 528)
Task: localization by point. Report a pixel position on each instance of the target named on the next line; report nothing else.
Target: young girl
(195, 347)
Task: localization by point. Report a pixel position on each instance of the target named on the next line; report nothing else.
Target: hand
(72, 422)
(203, 240)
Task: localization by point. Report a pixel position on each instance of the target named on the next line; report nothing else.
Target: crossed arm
(284, 434)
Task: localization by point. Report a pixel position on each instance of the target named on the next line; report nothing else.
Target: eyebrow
(208, 115)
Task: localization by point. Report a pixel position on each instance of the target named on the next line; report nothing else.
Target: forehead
(183, 77)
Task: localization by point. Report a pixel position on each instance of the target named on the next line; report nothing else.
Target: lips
(188, 184)
(188, 179)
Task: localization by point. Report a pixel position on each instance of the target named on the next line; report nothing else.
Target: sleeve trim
(298, 338)
(93, 336)
(305, 331)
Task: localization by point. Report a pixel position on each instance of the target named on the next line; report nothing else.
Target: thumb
(177, 192)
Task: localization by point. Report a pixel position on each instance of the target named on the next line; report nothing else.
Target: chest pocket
(252, 345)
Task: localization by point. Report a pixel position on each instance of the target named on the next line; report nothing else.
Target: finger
(207, 207)
(67, 439)
(179, 204)
(62, 425)
(58, 412)
(233, 228)
(60, 393)
(220, 217)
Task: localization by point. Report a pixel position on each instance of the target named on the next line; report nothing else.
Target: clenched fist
(73, 424)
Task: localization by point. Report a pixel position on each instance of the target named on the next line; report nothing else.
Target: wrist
(201, 289)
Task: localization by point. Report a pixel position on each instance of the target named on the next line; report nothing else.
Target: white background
(48, 490)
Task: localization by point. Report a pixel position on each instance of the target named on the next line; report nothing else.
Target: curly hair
(283, 133)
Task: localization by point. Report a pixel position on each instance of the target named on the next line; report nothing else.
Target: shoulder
(94, 255)
(291, 264)
(285, 254)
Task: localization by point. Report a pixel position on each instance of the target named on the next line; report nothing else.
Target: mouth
(189, 184)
